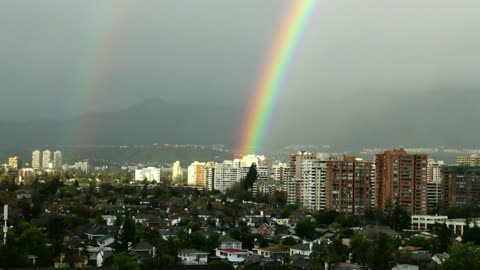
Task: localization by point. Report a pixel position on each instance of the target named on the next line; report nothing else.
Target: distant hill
(368, 118)
(153, 121)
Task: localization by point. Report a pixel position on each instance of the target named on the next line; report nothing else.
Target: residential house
(228, 242)
(193, 257)
(105, 241)
(233, 255)
(96, 231)
(144, 249)
(265, 230)
(301, 249)
(278, 252)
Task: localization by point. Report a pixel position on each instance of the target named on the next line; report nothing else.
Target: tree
(290, 241)
(305, 229)
(418, 241)
(471, 235)
(442, 242)
(251, 177)
(320, 255)
(382, 254)
(127, 234)
(463, 256)
(124, 262)
(360, 249)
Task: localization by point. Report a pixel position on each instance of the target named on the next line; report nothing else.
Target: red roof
(232, 250)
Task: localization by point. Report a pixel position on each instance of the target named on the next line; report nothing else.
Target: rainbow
(259, 114)
(94, 72)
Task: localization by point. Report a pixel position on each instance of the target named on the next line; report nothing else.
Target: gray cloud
(212, 51)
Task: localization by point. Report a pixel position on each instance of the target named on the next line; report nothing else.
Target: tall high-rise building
(434, 185)
(226, 175)
(349, 185)
(472, 160)
(280, 172)
(36, 159)
(461, 186)
(296, 160)
(305, 184)
(47, 159)
(293, 181)
(209, 175)
(177, 173)
(313, 186)
(248, 160)
(57, 160)
(14, 162)
(402, 178)
(149, 174)
(196, 172)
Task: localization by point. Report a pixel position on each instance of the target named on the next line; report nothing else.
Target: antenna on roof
(5, 227)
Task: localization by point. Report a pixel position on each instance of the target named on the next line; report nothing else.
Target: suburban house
(105, 241)
(265, 229)
(96, 231)
(193, 257)
(233, 255)
(277, 253)
(301, 249)
(228, 242)
(144, 249)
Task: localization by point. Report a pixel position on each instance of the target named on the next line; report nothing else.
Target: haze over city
(357, 64)
(248, 134)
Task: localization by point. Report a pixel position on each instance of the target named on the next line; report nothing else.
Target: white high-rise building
(57, 160)
(196, 172)
(434, 185)
(209, 175)
(36, 159)
(306, 184)
(280, 172)
(177, 173)
(81, 166)
(313, 184)
(47, 159)
(248, 160)
(149, 174)
(226, 175)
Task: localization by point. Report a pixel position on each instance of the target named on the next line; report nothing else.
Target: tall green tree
(251, 177)
(463, 256)
(124, 262)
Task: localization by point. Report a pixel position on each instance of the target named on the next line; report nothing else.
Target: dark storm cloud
(213, 51)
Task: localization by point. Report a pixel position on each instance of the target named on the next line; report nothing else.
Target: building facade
(177, 173)
(47, 159)
(57, 160)
(402, 178)
(349, 185)
(461, 186)
(471, 160)
(36, 159)
(14, 162)
(196, 172)
(149, 174)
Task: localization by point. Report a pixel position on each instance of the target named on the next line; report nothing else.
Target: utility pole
(5, 227)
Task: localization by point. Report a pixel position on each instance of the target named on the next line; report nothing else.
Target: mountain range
(363, 119)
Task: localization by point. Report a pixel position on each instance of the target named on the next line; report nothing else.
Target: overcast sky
(60, 58)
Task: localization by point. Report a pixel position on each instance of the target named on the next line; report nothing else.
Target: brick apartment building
(402, 178)
(460, 186)
(349, 185)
